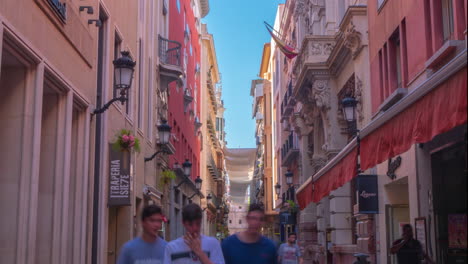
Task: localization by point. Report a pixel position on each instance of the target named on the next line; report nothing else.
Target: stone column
(323, 223)
(341, 224)
(308, 231)
(366, 236)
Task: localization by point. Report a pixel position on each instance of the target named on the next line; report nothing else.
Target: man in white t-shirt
(193, 247)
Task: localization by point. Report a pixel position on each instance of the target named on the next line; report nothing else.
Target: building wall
(420, 26)
(183, 29)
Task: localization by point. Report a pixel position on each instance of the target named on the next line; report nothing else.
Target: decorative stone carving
(321, 94)
(301, 8)
(321, 48)
(299, 124)
(358, 96)
(352, 39)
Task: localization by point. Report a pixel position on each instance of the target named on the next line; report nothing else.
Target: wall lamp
(164, 131)
(198, 183)
(123, 76)
(349, 112)
(187, 168)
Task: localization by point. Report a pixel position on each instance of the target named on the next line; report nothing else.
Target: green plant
(166, 177)
(126, 141)
(293, 207)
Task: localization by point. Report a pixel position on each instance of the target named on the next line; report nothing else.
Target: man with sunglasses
(250, 247)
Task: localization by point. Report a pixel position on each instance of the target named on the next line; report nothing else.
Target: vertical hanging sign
(119, 177)
(368, 194)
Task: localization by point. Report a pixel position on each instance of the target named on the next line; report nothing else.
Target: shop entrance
(397, 212)
(450, 205)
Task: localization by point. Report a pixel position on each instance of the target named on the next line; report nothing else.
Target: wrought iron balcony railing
(290, 149)
(169, 51)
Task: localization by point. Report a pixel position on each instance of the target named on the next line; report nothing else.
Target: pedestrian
(149, 247)
(408, 249)
(250, 247)
(290, 253)
(193, 247)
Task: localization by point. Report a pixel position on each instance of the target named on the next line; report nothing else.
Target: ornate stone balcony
(312, 59)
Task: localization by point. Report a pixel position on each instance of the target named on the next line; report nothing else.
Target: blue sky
(239, 35)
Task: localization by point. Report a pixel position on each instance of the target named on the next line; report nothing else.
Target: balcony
(213, 168)
(287, 105)
(212, 93)
(313, 60)
(290, 150)
(170, 61)
(215, 201)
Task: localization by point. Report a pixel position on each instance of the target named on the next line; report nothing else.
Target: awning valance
(332, 179)
(436, 106)
(437, 112)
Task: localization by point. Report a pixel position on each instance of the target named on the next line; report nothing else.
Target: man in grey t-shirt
(290, 253)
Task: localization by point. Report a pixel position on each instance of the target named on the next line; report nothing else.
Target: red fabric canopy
(341, 173)
(437, 112)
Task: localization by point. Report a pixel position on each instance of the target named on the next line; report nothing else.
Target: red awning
(341, 173)
(437, 112)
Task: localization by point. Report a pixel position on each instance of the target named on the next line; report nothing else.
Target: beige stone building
(212, 156)
(332, 63)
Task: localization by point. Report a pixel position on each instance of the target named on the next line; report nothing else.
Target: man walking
(149, 248)
(193, 247)
(250, 247)
(290, 253)
(408, 249)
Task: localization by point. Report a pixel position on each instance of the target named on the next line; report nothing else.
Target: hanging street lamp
(187, 167)
(277, 189)
(164, 131)
(123, 76)
(349, 107)
(289, 177)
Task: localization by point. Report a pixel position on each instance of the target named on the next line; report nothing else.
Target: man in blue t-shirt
(149, 248)
(250, 247)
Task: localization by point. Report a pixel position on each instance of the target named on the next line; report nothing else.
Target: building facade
(212, 116)
(363, 178)
(184, 102)
(71, 196)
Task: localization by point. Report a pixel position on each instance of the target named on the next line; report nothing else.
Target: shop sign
(119, 177)
(368, 196)
(420, 231)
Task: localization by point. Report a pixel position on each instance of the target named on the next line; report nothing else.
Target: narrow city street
(233, 132)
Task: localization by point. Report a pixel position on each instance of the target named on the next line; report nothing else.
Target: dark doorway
(450, 204)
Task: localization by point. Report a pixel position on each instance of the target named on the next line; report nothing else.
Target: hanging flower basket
(167, 176)
(126, 141)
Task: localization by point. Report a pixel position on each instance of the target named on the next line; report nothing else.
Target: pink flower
(131, 144)
(132, 138)
(125, 138)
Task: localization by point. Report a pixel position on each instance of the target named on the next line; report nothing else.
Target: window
(396, 59)
(447, 18)
(141, 66)
(380, 3)
(178, 5)
(230, 221)
(149, 108)
(117, 49)
(240, 222)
